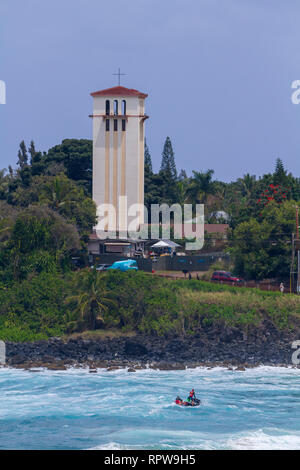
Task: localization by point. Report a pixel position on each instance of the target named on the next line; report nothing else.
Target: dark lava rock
(211, 345)
(135, 349)
(56, 367)
(18, 359)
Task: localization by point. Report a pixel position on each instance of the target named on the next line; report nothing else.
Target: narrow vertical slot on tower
(116, 107)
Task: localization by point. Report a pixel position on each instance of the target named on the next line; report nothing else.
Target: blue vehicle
(128, 265)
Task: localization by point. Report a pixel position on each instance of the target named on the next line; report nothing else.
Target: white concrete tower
(118, 150)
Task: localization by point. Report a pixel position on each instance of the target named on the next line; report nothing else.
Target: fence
(167, 263)
(267, 285)
(188, 263)
(145, 264)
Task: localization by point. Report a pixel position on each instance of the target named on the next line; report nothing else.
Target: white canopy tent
(160, 244)
(164, 244)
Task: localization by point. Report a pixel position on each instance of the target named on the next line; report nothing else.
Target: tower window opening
(116, 107)
(115, 124)
(123, 125)
(107, 107)
(123, 107)
(107, 125)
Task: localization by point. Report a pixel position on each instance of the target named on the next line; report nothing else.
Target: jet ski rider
(191, 396)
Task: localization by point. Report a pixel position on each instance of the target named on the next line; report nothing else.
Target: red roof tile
(216, 228)
(119, 91)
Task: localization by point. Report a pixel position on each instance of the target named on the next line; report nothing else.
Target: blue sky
(218, 74)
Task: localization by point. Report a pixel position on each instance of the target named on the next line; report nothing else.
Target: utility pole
(295, 262)
(292, 264)
(298, 250)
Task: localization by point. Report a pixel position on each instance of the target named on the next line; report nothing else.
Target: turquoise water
(256, 409)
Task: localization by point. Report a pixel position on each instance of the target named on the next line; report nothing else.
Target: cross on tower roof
(119, 75)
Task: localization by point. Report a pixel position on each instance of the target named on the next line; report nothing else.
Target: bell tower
(118, 152)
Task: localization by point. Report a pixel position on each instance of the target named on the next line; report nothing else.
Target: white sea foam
(255, 409)
(113, 446)
(261, 440)
(256, 440)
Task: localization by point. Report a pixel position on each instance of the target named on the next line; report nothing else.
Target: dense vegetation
(47, 213)
(260, 211)
(55, 304)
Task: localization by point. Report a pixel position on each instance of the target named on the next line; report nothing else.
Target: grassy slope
(146, 303)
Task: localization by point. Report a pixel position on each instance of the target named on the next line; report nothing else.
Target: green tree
(76, 155)
(247, 184)
(148, 160)
(37, 165)
(168, 165)
(4, 184)
(39, 240)
(24, 172)
(201, 186)
(22, 156)
(182, 175)
(90, 301)
(168, 173)
(262, 249)
(280, 174)
(62, 195)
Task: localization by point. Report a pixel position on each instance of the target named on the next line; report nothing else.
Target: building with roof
(118, 173)
(118, 157)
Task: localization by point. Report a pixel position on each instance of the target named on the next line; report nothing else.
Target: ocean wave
(255, 409)
(263, 440)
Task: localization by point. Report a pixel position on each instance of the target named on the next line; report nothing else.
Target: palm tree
(57, 192)
(90, 302)
(247, 183)
(4, 183)
(201, 186)
(181, 192)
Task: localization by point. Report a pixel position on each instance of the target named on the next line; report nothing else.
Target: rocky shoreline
(211, 347)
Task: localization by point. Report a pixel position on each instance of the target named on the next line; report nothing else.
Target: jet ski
(193, 402)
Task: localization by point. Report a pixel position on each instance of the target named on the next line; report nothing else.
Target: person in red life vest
(191, 396)
(178, 401)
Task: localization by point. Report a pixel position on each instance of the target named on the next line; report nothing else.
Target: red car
(225, 276)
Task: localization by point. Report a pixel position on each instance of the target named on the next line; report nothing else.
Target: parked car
(101, 267)
(225, 276)
(128, 265)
